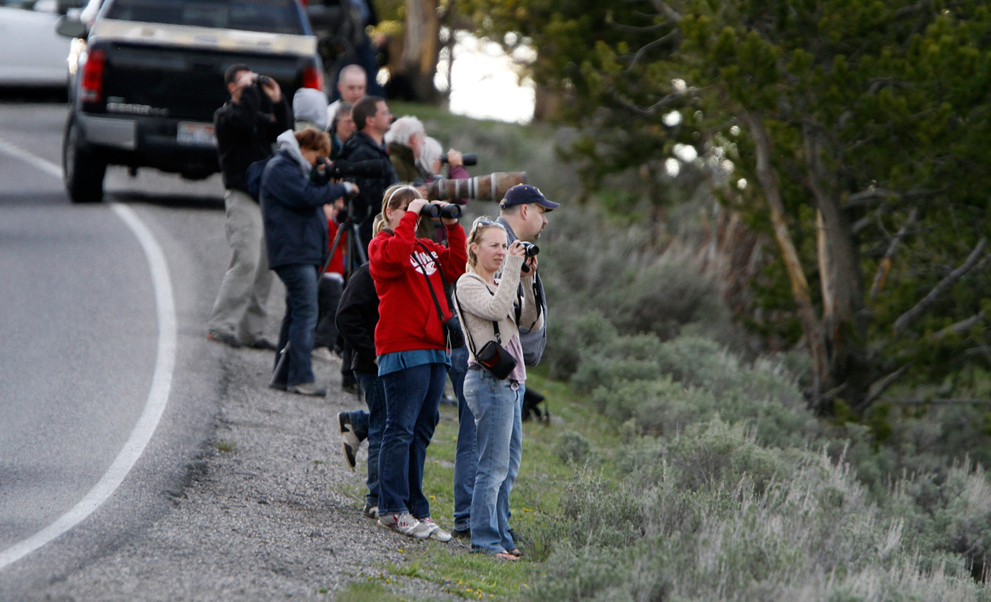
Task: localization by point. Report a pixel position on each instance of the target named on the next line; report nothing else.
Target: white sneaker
(435, 531)
(405, 523)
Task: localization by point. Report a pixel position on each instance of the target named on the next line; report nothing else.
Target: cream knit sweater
(478, 307)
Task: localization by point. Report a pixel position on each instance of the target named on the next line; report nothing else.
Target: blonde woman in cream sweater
(482, 303)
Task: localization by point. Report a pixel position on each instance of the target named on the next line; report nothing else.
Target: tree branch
(920, 308)
(884, 268)
(872, 194)
(667, 101)
(880, 386)
(661, 40)
(959, 327)
(919, 402)
(663, 8)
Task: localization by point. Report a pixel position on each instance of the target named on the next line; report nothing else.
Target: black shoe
(263, 343)
(352, 388)
(223, 337)
(461, 533)
(349, 441)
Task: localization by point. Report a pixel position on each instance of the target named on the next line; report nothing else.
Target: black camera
(530, 249)
(437, 210)
(263, 80)
(466, 158)
(371, 169)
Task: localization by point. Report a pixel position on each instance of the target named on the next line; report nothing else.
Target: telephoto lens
(530, 249)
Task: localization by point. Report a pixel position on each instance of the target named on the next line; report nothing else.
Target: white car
(31, 52)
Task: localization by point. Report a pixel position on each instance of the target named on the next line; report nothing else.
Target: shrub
(573, 448)
(717, 453)
(812, 534)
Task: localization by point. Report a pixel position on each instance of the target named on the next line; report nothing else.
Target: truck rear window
(271, 16)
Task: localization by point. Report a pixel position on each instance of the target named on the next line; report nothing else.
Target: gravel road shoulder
(276, 517)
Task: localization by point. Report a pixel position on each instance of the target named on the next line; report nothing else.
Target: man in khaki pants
(246, 127)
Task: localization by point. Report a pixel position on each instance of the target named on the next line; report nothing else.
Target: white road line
(46, 166)
(161, 382)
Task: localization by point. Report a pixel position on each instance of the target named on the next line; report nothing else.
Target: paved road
(82, 331)
(275, 516)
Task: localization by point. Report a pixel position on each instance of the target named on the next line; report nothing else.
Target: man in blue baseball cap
(523, 213)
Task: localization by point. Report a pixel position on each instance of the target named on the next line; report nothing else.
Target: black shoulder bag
(452, 327)
(492, 356)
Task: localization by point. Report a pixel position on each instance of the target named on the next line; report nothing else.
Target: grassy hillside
(678, 468)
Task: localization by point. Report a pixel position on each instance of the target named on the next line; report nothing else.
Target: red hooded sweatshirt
(407, 313)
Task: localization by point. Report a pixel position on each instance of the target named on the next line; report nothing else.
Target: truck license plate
(196, 134)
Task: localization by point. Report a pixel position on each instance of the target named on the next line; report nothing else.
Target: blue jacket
(292, 211)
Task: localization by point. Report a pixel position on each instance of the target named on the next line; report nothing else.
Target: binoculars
(437, 210)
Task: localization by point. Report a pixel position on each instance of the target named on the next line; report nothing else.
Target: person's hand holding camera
(270, 87)
(454, 158)
(516, 249)
(529, 266)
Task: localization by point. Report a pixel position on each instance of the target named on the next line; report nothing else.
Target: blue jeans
(411, 398)
(466, 457)
(370, 425)
(499, 437)
(300, 322)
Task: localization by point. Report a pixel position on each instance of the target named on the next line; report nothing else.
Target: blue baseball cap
(521, 194)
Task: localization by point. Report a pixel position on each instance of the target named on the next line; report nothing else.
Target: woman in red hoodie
(412, 351)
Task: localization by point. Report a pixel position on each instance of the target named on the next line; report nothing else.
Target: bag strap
(467, 331)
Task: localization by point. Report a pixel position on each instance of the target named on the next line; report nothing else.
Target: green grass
(365, 591)
(534, 502)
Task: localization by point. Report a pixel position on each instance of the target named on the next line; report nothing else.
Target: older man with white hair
(405, 140)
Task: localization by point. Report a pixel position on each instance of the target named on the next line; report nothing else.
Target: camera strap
(440, 313)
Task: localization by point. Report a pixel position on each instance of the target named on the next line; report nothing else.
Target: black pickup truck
(151, 75)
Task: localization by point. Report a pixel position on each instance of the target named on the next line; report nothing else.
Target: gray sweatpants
(240, 306)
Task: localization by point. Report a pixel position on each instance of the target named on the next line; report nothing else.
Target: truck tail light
(91, 88)
(312, 78)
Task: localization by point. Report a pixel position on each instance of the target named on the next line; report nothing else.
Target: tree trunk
(822, 376)
(421, 49)
(840, 277)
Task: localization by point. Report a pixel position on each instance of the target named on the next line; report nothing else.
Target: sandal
(505, 556)
(516, 552)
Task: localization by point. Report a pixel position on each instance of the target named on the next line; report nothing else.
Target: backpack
(253, 177)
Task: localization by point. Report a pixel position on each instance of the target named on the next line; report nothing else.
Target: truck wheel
(82, 171)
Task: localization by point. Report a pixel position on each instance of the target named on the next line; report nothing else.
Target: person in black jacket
(292, 196)
(357, 315)
(372, 118)
(246, 127)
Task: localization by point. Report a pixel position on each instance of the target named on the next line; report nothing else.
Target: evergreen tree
(864, 125)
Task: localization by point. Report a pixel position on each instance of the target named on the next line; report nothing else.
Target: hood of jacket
(287, 142)
(310, 105)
